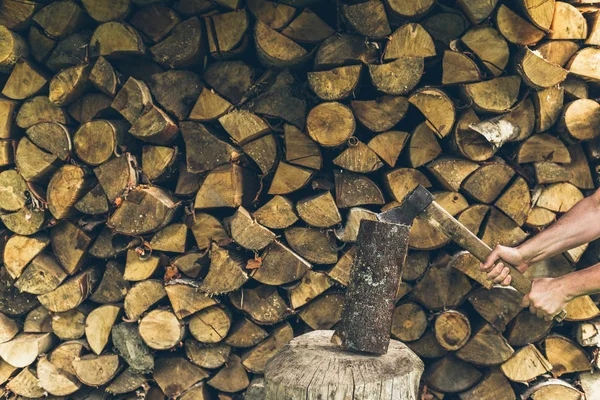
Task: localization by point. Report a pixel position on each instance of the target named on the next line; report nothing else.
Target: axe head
(413, 204)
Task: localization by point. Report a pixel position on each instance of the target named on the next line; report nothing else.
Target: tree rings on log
(410, 40)
(397, 77)
(330, 124)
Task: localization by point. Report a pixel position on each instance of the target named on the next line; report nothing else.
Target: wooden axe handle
(443, 221)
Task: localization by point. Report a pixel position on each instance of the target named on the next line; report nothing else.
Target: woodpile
(182, 181)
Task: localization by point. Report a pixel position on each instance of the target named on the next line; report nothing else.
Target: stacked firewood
(181, 185)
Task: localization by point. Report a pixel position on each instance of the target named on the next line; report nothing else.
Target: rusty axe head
(412, 206)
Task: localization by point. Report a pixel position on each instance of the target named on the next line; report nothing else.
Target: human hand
(499, 272)
(547, 298)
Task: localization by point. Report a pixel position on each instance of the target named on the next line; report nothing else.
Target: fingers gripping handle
(443, 221)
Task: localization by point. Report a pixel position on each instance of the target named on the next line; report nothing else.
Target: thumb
(525, 301)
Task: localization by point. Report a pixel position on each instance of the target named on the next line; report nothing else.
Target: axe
(381, 248)
(422, 203)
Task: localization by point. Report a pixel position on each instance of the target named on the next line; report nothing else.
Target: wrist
(527, 254)
(564, 284)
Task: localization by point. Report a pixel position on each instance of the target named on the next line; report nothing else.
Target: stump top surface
(310, 362)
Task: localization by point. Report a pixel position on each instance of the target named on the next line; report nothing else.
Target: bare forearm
(582, 282)
(578, 226)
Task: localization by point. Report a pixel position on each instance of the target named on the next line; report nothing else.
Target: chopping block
(311, 367)
(358, 360)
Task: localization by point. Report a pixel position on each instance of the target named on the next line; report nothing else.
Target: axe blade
(413, 205)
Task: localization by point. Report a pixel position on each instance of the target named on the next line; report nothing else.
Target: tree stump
(310, 366)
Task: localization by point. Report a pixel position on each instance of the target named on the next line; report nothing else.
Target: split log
(489, 46)
(516, 29)
(289, 178)
(263, 304)
(184, 47)
(525, 365)
(368, 19)
(581, 309)
(498, 306)
(438, 109)
(494, 96)
(559, 197)
(451, 172)
(472, 218)
(543, 147)
(232, 377)
(410, 40)
(25, 80)
(207, 229)
(308, 27)
(142, 296)
(335, 84)
(319, 210)
(54, 380)
(324, 312)
(300, 150)
(280, 265)
(487, 346)
(516, 201)
(127, 381)
(423, 146)
(537, 72)
(548, 106)
(42, 275)
(501, 230)
(277, 213)
(98, 325)
(486, 184)
(553, 388)
(255, 360)
(23, 349)
(381, 114)
(389, 145)
(69, 324)
(581, 65)
(567, 23)
(19, 251)
(245, 333)
(459, 68)
(427, 346)
(358, 157)
(493, 386)
(275, 15)
(26, 384)
(313, 245)
(207, 355)
(397, 77)
(451, 375)
(71, 293)
(275, 49)
(556, 350)
(441, 287)
(226, 271)
(8, 328)
(186, 299)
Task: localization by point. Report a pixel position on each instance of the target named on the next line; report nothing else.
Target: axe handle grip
(443, 221)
